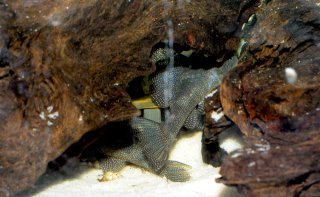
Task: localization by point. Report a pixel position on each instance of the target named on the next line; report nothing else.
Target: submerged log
(65, 65)
(273, 95)
(285, 165)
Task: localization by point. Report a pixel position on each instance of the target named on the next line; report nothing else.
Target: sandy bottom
(78, 179)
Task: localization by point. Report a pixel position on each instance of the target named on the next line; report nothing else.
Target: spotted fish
(182, 91)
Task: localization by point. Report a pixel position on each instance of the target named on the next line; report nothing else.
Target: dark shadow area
(73, 169)
(229, 192)
(80, 157)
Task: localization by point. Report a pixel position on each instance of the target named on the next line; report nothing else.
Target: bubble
(291, 75)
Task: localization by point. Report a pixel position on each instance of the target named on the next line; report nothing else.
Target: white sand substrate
(78, 179)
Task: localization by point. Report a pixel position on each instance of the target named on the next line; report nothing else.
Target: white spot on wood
(231, 144)
(49, 123)
(236, 154)
(216, 116)
(249, 151)
(251, 164)
(54, 115)
(42, 116)
(50, 108)
(263, 147)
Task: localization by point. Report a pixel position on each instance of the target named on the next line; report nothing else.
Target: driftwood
(282, 165)
(273, 95)
(65, 65)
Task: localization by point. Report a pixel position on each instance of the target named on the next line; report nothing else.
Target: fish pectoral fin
(151, 141)
(176, 171)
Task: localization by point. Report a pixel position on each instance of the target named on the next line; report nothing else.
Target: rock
(273, 96)
(64, 67)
